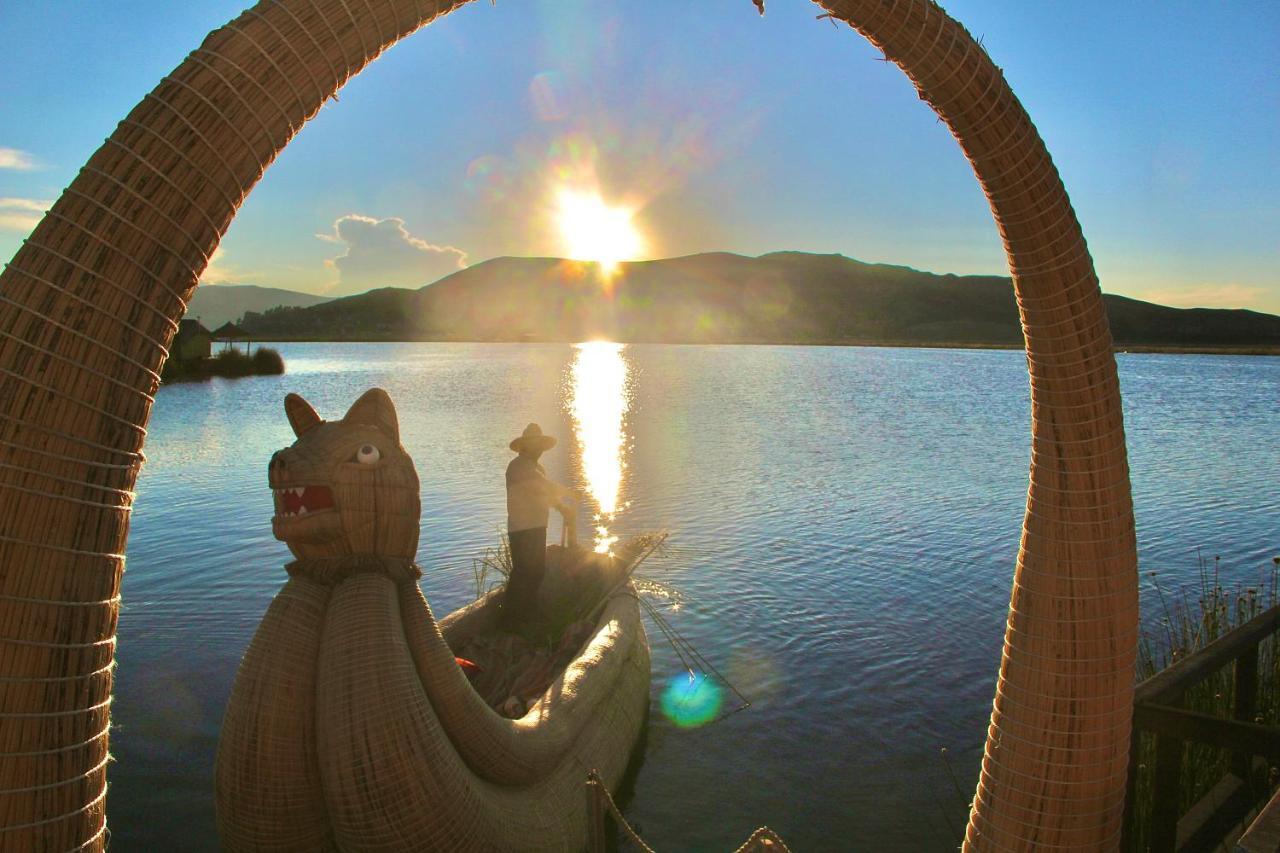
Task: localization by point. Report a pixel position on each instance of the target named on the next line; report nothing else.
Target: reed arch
(90, 303)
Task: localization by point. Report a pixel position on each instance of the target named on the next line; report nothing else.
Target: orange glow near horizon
(601, 396)
(592, 230)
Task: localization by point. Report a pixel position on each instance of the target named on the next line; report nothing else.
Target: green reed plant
(1184, 625)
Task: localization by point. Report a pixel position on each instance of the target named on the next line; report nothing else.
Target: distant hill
(784, 297)
(215, 304)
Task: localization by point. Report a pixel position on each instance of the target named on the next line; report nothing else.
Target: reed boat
(352, 726)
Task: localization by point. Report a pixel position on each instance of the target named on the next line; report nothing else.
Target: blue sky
(727, 130)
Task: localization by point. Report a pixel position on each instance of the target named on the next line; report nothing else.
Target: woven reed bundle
(89, 304)
(401, 772)
(1053, 774)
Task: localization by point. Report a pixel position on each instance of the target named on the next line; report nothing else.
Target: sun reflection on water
(600, 398)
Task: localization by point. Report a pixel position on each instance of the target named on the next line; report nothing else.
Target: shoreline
(1119, 349)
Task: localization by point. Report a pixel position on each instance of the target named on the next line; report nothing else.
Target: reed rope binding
(212, 127)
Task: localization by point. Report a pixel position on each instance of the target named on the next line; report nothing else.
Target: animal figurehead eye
(368, 454)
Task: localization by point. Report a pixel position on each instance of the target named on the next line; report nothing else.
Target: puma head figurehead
(345, 487)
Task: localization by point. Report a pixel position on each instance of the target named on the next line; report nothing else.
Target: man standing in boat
(530, 496)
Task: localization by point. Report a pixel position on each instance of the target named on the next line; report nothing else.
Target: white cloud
(21, 214)
(217, 272)
(33, 204)
(382, 253)
(12, 158)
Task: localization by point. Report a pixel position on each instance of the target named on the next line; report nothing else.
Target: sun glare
(599, 404)
(595, 231)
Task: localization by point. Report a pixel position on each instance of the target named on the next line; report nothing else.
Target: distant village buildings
(192, 343)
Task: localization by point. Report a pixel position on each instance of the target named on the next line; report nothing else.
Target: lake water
(844, 524)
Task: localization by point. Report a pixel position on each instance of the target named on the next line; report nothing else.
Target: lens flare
(691, 700)
(591, 230)
(601, 397)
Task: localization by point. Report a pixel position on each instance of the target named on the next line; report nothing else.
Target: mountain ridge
(215, 304)
(722, 297)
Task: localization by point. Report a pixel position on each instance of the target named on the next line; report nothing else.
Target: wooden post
(1131, 789)
(595, 815)
(1245, 703)
(1166, 790)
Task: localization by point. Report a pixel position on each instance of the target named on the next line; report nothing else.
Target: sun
(595, 231)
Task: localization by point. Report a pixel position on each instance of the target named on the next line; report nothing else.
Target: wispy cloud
(21, 214)
(220, 272)
(1206, 296)
(382, 253)
(13, 158)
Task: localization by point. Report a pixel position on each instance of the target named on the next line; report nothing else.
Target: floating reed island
(89, 306)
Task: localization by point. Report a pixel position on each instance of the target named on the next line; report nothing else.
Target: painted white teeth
(302, 510)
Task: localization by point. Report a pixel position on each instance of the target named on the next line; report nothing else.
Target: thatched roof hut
(229, 333)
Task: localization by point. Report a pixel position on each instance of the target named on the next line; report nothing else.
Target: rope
(109, 641)
(177, 113)
(101, 796)
(64, 327)
(46, 546)
(159, 173)
(365, 56)
(27, 715)
(288, 42)
(81, 745)
(331, 571)
(91, 840)
(125, 508)
(339, 78)
(606, 799)
(149, 202)
(24, 679)
(125, 422)
(234, 126)
(163, 244)
(763, 838)
(337, 75)
(79, 366)
(297, 96)
(236, 90)
(128, 454)
(41, 247)
(181, 155)
(24, 600)
(85, 775)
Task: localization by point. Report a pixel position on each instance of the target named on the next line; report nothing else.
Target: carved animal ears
(374, 408)
(300, 414)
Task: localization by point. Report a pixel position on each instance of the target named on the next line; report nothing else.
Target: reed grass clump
(230, 363)
(1181, 627)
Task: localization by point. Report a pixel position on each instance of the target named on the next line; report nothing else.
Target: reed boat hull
(351, 727)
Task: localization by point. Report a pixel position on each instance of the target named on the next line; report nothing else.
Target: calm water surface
(844, 523)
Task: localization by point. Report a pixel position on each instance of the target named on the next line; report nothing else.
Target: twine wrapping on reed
(102, 281)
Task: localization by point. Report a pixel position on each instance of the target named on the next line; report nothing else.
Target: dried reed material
(88, 308)
(268, 778)
(405, 769)
(613, 668)
(1055, 762)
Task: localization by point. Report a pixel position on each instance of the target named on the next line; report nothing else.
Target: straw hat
(533, 439)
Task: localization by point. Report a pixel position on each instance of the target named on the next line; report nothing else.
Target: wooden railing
(1156, 709)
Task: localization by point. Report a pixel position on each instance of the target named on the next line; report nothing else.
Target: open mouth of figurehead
(298, 501)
